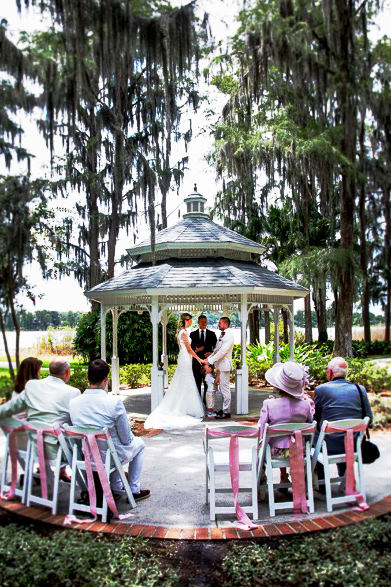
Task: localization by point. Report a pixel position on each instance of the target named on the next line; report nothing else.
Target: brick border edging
(279, 529)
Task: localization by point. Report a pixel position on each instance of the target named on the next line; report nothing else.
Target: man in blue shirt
(338, 400)
(96, 409)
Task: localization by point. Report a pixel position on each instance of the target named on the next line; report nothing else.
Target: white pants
(134, 469)
(225, 391)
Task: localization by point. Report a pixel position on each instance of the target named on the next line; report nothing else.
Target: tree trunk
(17, 331)
(285, 326)
(387, 251)
(365, 297)
(11, 368)
(347, 100)
(93, 210)
(308, 319)
(116, 199)
(253, 321)
(267, 326)
(319, 299)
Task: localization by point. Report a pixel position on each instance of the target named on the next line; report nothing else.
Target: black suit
(209, 345)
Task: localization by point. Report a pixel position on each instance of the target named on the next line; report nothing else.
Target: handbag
(369, 450)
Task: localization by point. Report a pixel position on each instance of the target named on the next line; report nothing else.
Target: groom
(203, 341)
(222, 358)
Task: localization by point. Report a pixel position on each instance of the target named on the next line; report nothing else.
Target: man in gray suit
(338, 400)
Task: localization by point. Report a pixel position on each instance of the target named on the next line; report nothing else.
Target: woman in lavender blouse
(292, 405)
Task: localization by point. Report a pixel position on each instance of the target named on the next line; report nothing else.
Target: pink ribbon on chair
(41, 452)
(234, 467)
(297, 465)
(14, 460)
(349, 451)
(91, 449)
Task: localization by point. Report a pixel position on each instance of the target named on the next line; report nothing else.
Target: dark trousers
(340, 466)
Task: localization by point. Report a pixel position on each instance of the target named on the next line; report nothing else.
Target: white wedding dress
(181, 406)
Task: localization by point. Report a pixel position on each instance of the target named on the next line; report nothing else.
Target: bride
(181, 406)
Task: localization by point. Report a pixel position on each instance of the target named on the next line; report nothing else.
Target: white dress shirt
(44, 400)
(96, 409)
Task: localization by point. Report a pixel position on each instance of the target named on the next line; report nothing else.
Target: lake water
(28, 339)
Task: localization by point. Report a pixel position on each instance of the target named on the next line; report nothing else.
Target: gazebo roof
(192, 277)
(196, 261)
(196, 236)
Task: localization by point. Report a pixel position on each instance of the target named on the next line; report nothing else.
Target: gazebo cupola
(195, 205)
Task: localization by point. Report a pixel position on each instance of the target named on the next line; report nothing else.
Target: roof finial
(195, 187)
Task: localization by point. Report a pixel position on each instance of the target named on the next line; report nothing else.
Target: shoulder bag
(369, 450)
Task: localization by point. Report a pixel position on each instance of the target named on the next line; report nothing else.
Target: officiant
(203, 341)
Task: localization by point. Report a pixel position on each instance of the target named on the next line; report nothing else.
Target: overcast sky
(66, 294)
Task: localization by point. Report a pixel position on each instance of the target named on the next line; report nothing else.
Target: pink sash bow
(41, 451)
(92, 454)
(297, 464)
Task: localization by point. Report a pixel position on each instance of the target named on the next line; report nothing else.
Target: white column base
(157, 387)
(241, 386)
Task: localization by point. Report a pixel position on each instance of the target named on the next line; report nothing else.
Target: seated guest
(96, 409)
(288, 380)
(338, 400)
(45, 401)
(29, 368)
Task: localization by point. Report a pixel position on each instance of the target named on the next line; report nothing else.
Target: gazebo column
(103, 311)
(291, 334)
(276, 312)
(164, 358)
(157, 389)
(114, 358)
(242, 374)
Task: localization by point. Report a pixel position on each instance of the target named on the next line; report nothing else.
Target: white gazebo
(199, 266)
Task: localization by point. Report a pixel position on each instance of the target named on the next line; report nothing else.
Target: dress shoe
(219, 413)
(143, 494)
(222, 416)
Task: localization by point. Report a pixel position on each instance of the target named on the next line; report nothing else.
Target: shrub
(78, 559)
(6, 387)
(79, 378)
(134, 374)
(171, 371)
(381, 407)
(375, 379)
(375, 347)
(356, 556)
(134, 337)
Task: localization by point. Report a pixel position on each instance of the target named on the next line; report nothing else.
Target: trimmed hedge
(355, 556)
(71, 559)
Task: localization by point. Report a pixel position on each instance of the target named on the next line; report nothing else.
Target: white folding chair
(320, 455)
(77, 437)
(217, 459)
(307, 431)
(46, 445)
(16, 451)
